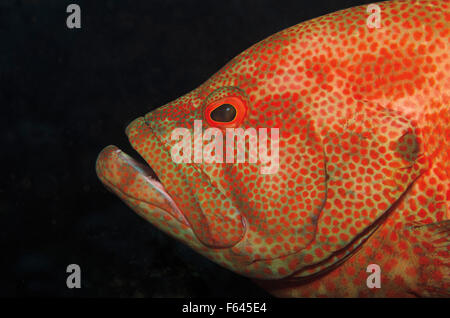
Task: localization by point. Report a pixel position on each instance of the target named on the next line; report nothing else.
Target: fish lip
(143, 120)
(118, 157)
(148, 173)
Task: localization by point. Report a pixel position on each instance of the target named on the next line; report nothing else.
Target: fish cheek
(282, 209)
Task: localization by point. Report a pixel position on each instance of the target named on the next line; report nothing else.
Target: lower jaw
(134, 181)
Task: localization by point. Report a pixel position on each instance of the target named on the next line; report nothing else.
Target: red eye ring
(236, 102)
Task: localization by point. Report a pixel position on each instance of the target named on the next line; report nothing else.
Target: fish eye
(224, 113)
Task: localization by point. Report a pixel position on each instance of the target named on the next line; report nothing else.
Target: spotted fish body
(363, 178)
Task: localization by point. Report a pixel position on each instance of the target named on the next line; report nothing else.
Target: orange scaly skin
(364, 122)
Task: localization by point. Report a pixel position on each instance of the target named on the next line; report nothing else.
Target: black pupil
(224, 113)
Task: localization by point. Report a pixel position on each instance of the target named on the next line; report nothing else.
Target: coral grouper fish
(360, 203)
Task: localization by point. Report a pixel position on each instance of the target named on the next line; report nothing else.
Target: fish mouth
(168, 194)
(136, 183)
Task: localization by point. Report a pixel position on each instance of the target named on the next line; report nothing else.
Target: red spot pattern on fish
(363, 178)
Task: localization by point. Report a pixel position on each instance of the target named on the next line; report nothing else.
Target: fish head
(337, 164)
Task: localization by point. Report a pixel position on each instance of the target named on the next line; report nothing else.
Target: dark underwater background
(67, 93)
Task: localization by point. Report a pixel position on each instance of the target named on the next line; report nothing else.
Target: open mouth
(169, 195)
(135, 181)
